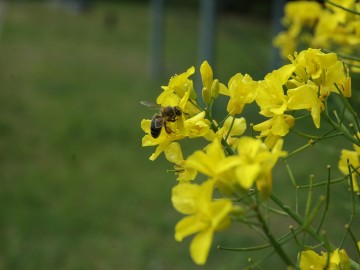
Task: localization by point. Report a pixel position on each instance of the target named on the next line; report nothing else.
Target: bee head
(177, 110)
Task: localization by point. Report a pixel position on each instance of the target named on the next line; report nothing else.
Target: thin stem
(343, 8)
(272, 240)
(259, 247)
(340, 128)
(291, 175)
(348, 106)
(309, 198)
(327, 200)
(300, 221)
(231, 126)
(322, 183)
(215, 128)
(354, 239)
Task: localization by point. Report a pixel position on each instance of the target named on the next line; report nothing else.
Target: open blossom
(306, 97)
(297, 15)
(256, 163)
(353, 158)
(271, 97)
(204, 216)
(242, 90)
(213, 163)
(179, 92)
(323, 69)
(275, 128)
(311, 24)
(232, 129)
(310, 260)
(174, 154)
(196, 126)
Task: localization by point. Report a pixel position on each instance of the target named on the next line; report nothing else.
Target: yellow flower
(323, 69)
(353, 158)
(232, 129)
(306, 97)
(242, 90)
(256, 163)
(286, 43)
(180, 84)
(213, 163)
(304, 13)
(179, 91)
(197, 126)
(174, 154)
(310, 260)
(164, 139)
(271, 97)
(205, 216)
(277, 125)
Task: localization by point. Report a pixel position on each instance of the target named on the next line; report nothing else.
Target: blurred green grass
(77, 191)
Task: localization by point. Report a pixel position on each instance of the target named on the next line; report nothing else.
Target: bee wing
(157, 121)
(150, 104)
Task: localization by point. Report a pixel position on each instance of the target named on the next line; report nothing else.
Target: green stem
(343, 8)
(272, 240)
(300, 221)
(342, 55)
(327, 200)
(215, 128)
(341, 129)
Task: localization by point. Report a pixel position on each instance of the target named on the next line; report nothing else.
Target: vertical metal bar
(276, 27)
(207, 31)
(156, 38)
(206, 38)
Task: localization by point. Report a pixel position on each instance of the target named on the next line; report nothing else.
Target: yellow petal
(161, 147)
(184, 197)
(247, 174)
(173, 153)
(206, 75)
(187, 226)
(311, 260)
(200, 246)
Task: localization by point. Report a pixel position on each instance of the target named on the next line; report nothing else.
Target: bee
(159, 120)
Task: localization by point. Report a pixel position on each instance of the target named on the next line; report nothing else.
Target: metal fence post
(156, 37)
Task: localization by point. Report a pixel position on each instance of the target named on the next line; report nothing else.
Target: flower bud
(206, 95)
(206, 74)
(215, 88)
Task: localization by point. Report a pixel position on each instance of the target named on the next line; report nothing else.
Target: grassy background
(77, 191)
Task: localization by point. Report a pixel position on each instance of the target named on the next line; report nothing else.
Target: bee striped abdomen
(156, 125)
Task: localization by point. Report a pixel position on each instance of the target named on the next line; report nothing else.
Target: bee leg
(167, 129)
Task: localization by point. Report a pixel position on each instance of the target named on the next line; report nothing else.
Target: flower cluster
(334, 25)
(212, 181)
(336, 260)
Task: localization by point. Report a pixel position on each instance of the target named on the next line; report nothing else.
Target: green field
(77, 191)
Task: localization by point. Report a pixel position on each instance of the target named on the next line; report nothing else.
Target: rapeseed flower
(213, 163)
(310, 260)
(174, 154)
(232, 129)
(271, 97)
(204, 216)
(242, 90)
(275, 128)
(353, 157)
(256, 163)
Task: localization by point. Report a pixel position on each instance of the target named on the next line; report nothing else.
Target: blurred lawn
(77, 191)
